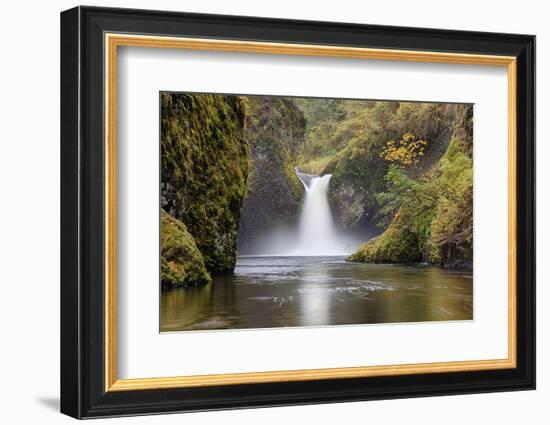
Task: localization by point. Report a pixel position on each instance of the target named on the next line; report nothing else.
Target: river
(274, 292)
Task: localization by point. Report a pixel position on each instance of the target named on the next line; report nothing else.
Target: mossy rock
(275, 131)
(398, 244)
(204, 169)
(182, 263)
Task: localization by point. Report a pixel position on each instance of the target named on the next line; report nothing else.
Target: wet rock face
(350, 205)
(204, 169)
(275, 131)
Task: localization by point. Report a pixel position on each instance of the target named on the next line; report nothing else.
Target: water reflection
(317, 291)
(314, 298)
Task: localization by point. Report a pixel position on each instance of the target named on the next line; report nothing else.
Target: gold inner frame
(113, 41)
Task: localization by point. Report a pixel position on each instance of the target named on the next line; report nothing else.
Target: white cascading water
(316, 232)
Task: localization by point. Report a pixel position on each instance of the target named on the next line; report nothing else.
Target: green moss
(431, 215)
(451, 231)
(182, 263)
(316, 165)
(204, 169)
(398, 244)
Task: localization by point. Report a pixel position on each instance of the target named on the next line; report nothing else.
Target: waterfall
(316, 232)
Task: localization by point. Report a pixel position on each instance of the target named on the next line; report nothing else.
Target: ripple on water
(279, 301)
(355, 287)
(369, 285)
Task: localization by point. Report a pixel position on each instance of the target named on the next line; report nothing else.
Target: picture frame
(90, 40)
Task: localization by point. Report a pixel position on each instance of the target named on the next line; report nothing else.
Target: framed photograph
(261, 212)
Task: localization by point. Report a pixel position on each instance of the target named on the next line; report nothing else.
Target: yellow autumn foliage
(404, 152)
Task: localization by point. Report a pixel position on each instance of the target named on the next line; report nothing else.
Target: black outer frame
(82, 212)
